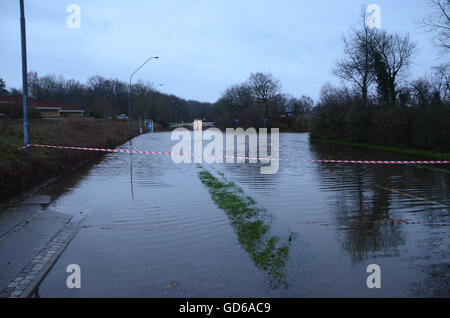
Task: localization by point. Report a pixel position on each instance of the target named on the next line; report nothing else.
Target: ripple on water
(153, 222)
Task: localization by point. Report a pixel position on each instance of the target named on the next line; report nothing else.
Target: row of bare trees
(102, 98)
(373, 56)
(260, 99)
(376, 61)
(382, 105)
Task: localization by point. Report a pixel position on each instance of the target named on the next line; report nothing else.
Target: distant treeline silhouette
(259, 102)
(102, 98)
(255, 103)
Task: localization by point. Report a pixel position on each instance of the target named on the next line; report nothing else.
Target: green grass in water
(269, 253)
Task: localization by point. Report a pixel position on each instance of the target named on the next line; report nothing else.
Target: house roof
(64, 108)
(77, 110)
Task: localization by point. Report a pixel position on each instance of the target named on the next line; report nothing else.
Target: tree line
(378, 104)
(256, 103)
(106, 98)
(259, 102)
(381, 105)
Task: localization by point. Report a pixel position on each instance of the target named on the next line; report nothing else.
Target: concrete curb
(34, 272)
(48, 266)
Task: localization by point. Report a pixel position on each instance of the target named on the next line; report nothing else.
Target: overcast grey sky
(204, 45)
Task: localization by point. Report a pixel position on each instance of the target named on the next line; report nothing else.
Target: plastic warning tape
(239, 157)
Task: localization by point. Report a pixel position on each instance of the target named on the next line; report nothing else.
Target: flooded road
(154, 230)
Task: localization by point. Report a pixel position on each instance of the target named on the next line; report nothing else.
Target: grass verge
(269, 252)
(19, 174)
(424, 153)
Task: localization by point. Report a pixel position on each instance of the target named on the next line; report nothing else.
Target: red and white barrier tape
(237, 157)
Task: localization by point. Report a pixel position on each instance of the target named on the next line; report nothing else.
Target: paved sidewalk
(31, 240)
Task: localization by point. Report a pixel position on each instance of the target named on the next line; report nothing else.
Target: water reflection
(130, 144)
(362, 211)
(70, 181)
(379, 214)
(379, 208)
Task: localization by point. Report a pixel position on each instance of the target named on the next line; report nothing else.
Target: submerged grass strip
(269, 253)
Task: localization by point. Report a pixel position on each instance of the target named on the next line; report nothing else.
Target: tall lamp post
(129, 92)
(26, 118)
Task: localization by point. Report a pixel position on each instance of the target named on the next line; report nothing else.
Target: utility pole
(26, 119)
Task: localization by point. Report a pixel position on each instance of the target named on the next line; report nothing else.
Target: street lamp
(129, 92)
(26, 118)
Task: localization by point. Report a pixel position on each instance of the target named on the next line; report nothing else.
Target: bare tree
(356, 65)
(238, 96)
(438, 22)
(264, 88)
(441, 81)
(422, 91)
(391, 56)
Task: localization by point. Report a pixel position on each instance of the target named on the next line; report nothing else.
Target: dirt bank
(18, 174)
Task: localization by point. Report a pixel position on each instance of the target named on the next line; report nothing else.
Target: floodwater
(153, 229)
